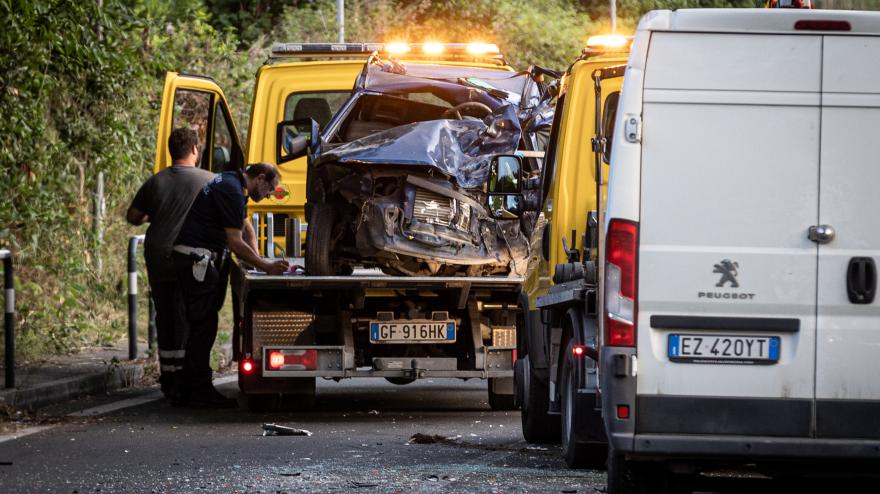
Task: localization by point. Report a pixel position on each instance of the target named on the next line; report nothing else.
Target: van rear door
(727, 276)
(848, 339)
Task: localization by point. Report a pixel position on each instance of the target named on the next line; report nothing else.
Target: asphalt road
(361, 441)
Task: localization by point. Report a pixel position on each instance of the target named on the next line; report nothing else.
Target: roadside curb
(115, 376)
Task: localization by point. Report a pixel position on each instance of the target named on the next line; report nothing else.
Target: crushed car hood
(460, 149)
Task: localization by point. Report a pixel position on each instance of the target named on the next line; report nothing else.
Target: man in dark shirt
(163, 200)
(214, 223)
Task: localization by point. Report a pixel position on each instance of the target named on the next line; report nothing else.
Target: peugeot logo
(728, 271)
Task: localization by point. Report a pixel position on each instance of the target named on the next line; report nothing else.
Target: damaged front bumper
(439, 226)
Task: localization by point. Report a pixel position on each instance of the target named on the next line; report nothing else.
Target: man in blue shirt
(214, 223)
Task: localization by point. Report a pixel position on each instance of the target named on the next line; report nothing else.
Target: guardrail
(9, 319)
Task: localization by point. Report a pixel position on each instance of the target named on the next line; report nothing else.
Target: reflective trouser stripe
(170, 368)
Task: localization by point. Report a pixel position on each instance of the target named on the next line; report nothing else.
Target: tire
(538, 426)
(577, 454)
(319, 236)
(500, 401)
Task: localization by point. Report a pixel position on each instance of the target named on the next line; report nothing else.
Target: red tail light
(621, 256)
(577, 350)
(292, 359)
(247, 366)
(276, 360)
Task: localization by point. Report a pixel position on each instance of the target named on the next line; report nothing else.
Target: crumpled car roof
(461, 149)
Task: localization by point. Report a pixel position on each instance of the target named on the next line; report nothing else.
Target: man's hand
(279, 266)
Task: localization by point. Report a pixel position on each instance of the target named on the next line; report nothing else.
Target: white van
(742, 236)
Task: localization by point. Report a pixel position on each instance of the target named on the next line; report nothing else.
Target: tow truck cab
(555, 378)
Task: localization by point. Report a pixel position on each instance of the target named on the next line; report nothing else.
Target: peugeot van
(740, 321)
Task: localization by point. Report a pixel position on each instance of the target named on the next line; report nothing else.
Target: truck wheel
(591, 454)
(501, 393)
(537, 425)
(319, 235)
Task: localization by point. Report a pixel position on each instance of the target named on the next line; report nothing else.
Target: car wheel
(501, 393)
(319, 235)
(591, 454)
(537, 425)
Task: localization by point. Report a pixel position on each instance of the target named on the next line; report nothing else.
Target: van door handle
(861, 280)
(821, 234)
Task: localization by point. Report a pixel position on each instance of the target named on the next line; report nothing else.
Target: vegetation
(80, 90)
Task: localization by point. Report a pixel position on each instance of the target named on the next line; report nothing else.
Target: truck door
(726, 275)
(848, 336)
(198, 103)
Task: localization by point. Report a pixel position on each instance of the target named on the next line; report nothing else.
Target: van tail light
(288, 359)
(621, 263)
(822, 25)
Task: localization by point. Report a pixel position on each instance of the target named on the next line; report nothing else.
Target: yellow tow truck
(297, 81)
(555, 377)
(291, 329)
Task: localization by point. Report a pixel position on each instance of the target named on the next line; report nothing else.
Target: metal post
(270, 235)
(9, 319)
(613, 16)
(255, 221)
(289, 246)
(99, 221)
(340, 19)
(132, 294)
(297, 238)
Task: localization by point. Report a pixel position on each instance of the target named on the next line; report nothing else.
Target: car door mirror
(505, 175)
(296, 138)
(505, 187)
(505, 206)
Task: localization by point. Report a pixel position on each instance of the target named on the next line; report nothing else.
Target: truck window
(221, 144)
(191, 110)
(609, 115)
(319, 106)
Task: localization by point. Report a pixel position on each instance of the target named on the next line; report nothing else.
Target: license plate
(723, 349)
(414, 331)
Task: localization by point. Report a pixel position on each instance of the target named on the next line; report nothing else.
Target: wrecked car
(426, 170)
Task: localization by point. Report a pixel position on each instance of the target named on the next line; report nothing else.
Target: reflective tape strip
(132, 283)
(172, 353)
(10, 300)
(170, 368)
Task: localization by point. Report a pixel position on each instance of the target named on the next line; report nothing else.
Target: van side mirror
(296, 138)
(505, 187)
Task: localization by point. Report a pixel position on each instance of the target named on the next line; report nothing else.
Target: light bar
(433, 48)
(607, 41)
(324, 49)
(396, 48)
(449, 51)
